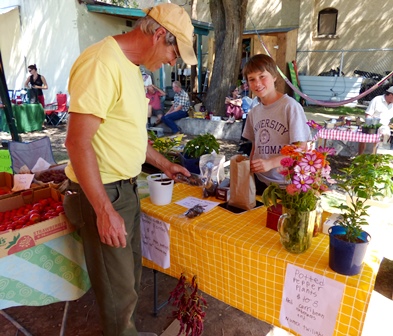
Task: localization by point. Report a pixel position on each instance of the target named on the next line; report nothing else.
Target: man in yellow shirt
(107, 144)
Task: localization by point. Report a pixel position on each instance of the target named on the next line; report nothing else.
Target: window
(327, 22)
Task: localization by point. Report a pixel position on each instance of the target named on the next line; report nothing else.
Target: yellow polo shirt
(103, 82)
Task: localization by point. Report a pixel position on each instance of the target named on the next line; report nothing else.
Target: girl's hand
(260, 166)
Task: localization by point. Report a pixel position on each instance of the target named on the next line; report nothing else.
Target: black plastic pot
(344, 257)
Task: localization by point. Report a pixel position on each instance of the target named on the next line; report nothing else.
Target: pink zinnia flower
(310, 162)
(292, 189)
(284, 172)
(303, 184)
(301, 171)
(287, 162)
(326, 150)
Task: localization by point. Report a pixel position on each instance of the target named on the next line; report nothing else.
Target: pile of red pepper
(190, 305)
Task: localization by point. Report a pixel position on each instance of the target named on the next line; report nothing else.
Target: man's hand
(111, 229)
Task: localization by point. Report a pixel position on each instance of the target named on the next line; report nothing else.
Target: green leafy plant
(376, 126)
(200, 145)
(369, 176)
(189, 305)
(164, 145)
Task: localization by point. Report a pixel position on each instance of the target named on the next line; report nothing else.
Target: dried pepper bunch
(190, 305)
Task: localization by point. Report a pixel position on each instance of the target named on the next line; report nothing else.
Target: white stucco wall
(50, 34)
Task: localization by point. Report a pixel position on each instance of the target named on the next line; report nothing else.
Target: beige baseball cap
(390, 90)
(177, 21)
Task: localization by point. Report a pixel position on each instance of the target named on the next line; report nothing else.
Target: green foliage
(368, 177)
(124, 3)
(200, 145)
(376, 126)
(164, 145)
(274, 194)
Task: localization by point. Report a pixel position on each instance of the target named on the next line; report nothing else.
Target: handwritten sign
(155, 240)
(310, 302)
(22, 181)
(5, 161)
(190, 201)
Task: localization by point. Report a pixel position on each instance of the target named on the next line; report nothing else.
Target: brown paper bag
(242, 183)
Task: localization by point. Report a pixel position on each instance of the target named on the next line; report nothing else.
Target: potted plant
(368, 177)
(164, 146)
(195, 148)
(370, 129)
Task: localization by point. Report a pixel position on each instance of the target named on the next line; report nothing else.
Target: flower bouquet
(307, 173)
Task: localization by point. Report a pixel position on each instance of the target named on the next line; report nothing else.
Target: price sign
(5, 161)
(310, 302)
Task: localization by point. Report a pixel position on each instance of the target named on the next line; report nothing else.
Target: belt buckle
(133, 179)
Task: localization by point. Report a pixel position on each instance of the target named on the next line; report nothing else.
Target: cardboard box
(19, 240)
(58, 167)
(273, 214)
(6, 184)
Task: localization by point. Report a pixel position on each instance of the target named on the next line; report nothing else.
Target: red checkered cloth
(333, 134)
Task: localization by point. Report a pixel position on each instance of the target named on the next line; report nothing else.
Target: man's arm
(168, 168)
(163, 93)
(110, 224)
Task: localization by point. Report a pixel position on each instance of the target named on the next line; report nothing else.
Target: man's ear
(159, 33)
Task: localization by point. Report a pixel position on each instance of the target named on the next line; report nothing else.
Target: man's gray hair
(177, 83)
(149, 26)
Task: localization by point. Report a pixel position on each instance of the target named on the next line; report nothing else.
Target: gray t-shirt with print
(272, 127)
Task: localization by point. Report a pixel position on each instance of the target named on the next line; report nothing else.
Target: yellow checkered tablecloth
(241, 262)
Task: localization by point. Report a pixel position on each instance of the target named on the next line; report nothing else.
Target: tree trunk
(228, 18)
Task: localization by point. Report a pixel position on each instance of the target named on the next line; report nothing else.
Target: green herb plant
(369, 176)
(376, 126)
(200, 145)
(164, 145)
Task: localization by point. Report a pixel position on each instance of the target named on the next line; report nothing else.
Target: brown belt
(131, 180)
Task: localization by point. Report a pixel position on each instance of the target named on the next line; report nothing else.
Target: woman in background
(36, 82)
(233, 103)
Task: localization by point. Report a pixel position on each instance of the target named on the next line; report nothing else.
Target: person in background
(36, 82)
(146, 78)
(107, 144)
(278, 120)
(154, 94)
(381, 107)
(233, 104)
(179, 109)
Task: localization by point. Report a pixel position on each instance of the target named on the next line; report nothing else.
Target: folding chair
(58, 110)
(27, 153)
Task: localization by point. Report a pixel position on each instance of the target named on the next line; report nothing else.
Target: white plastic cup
(160, 189)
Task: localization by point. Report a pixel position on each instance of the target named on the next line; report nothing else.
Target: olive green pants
(115, 273)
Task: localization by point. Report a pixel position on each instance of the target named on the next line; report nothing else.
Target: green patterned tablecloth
(47, 273)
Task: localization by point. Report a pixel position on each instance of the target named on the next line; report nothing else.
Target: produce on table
(30, 214)
(54, 175)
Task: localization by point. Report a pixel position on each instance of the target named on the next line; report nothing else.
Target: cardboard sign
(155, 240)
(5, 161)
(310, 302)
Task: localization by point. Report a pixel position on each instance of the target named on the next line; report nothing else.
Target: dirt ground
(83, 318)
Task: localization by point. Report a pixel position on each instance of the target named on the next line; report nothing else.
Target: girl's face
(261, 83)
(235, 93)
